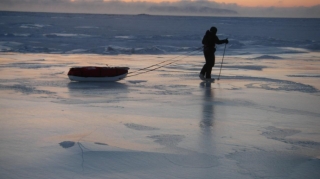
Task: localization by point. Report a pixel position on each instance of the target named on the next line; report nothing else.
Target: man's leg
(210, 60)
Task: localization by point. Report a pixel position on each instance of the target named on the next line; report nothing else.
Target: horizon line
(147, 14)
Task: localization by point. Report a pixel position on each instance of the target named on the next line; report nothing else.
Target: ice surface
(255, 122)
(135, 34)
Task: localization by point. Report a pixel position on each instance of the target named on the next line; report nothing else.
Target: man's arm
(217, 41)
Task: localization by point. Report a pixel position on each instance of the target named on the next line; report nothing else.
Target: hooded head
(213, 30)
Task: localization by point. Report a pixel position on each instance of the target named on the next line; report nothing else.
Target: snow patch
(275, 84)
(268, 57)
(281, 134)
(25, 89)
(76, 51)
(305, 76)
(87, 27)
(33, 26)
(137, 81)
(8, 46)
(124, 37)
(53, 35)
(67, 144)
(31, 65)
(122, 50)
(140, 127)
(247, 67)
(167, 140)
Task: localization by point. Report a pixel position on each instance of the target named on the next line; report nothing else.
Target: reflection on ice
(98, 86)
(207, 120)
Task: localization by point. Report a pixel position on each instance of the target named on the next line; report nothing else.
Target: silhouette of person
(209, 42)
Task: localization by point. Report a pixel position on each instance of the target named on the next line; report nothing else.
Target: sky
(239, 8)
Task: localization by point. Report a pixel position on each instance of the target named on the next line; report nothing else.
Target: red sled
(95, 74)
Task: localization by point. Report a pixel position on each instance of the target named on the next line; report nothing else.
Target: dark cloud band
(165, 8)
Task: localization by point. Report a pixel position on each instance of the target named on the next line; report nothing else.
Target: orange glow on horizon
(269, 3)
(248, 3)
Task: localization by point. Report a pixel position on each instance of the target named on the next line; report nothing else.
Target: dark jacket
(210, 40)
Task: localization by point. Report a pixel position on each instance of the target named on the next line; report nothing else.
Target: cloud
(183, 7)
(191, 8)
(305, 12)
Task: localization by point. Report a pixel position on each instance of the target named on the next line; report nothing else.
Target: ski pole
(222, 60)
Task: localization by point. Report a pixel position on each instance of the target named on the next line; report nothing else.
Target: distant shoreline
(160, 15)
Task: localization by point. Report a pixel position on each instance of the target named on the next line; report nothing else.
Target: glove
(226, 41)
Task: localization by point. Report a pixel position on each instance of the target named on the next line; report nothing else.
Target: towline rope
(170, 61)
